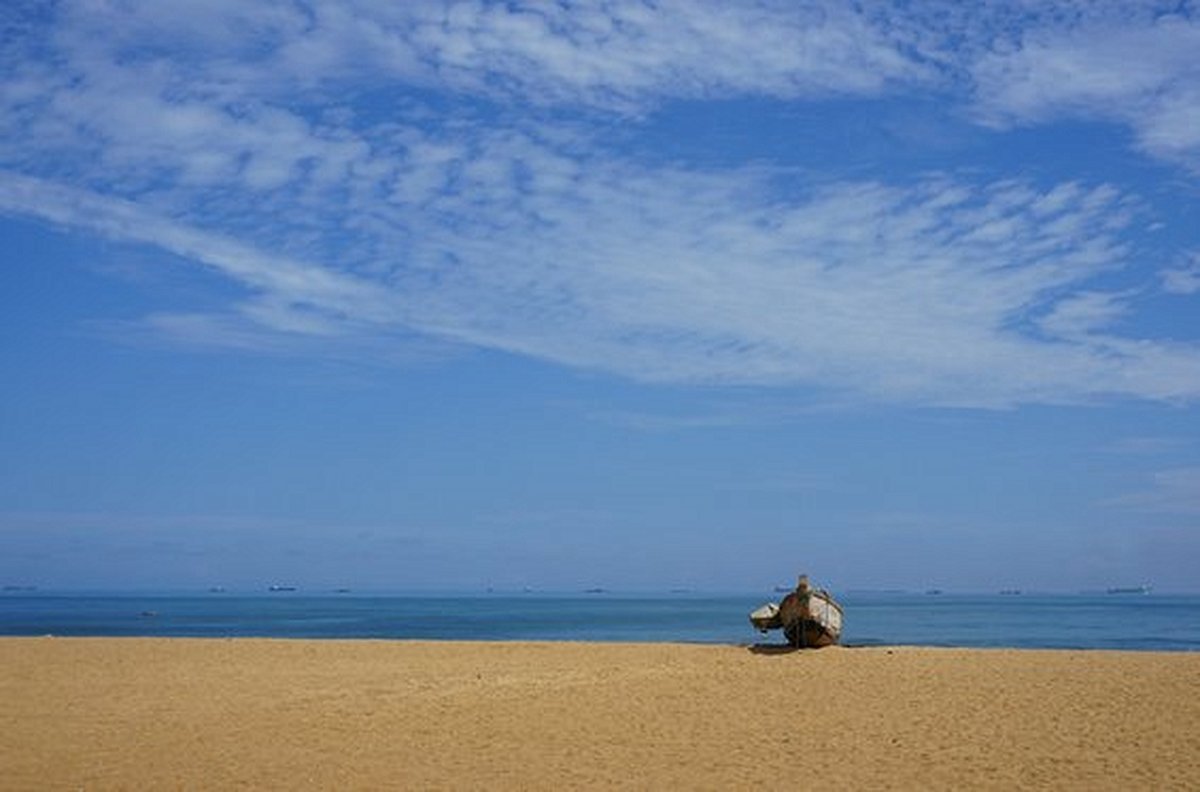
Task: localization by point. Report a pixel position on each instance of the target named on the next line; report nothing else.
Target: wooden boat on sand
(808, 617)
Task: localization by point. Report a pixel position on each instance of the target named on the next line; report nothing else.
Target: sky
(641, 295)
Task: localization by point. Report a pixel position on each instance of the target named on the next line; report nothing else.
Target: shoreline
(128, 712)
(771, 647)
(765, 647)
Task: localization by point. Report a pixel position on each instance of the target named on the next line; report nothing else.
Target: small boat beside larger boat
(808, 617)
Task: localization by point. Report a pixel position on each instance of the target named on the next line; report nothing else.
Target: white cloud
(1139, 71)
(339, 296)
(230, 136)
(1184, 279)
(903, 294)
(618, 54)
(623, 51)
(1082, 314)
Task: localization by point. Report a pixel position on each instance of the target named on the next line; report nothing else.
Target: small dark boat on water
(808, 617)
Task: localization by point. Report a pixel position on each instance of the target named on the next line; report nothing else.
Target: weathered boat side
(766, 617)
(809, 617)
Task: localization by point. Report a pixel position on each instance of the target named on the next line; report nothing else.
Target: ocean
(1084, 621)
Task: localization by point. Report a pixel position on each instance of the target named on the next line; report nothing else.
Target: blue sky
(641, 295)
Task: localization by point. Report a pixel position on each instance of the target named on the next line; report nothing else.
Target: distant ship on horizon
(1143, 589)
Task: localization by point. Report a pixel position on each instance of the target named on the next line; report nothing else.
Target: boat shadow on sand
(786, 648)
(772, 648)
(780, 648)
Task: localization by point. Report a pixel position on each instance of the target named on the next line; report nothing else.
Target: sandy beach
(182, 713)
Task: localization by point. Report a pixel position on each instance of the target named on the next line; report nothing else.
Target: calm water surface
(1143, 622)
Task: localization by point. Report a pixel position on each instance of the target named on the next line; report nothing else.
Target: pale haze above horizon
(640, 295)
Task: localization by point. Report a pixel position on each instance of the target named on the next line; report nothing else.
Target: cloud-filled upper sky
(902, 206)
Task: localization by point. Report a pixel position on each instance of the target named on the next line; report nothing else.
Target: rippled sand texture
(168, 713)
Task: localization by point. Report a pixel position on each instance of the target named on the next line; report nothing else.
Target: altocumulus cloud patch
(373, 173)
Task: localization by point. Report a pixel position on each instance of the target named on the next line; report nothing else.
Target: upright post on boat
(802, 590)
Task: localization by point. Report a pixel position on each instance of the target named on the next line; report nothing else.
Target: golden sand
(213, 714)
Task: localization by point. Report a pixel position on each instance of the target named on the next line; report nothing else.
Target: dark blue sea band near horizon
(1100, 621)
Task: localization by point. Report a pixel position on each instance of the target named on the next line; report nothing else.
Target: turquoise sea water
(1139, 622)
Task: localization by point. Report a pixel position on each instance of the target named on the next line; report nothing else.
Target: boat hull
(766, 618)
(811, 618)
(809, 634)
